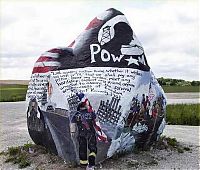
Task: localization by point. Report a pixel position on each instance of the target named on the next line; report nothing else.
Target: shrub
(183, 114)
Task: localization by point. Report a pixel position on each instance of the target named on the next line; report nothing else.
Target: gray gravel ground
(13, 132)
(13, 127)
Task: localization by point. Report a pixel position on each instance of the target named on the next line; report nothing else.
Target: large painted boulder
(106, 67)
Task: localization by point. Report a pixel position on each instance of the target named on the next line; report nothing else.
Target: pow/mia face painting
(105, 67)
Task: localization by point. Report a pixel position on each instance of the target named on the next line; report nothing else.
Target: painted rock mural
(99, 93)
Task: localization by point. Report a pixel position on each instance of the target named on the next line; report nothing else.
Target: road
(13, 128)
(178, 98)
(185, 134)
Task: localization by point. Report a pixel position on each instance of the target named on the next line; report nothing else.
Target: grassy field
(12, 92)
(183, 114)
(180, 89)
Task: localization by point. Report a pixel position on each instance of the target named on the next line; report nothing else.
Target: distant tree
(173, 82)
(195, 83)
(162, 81)
(177, 82)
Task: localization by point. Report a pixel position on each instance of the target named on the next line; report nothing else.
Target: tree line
(177, 82)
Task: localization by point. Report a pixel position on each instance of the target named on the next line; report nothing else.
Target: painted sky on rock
(168, 31)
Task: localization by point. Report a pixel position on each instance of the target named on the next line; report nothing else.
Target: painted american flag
(47, 61)
(101, 136)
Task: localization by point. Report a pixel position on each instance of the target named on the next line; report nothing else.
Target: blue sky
(168, 31)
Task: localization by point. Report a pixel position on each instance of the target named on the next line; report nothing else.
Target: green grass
(23, 155)
(13, 151)
(12, 92)
(170, 143)
(180, 89)
(16, 155)
(183, 114)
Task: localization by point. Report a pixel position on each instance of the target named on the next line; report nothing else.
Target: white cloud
(168, 31)
(16, 73)
(169, 34)
(170, 66)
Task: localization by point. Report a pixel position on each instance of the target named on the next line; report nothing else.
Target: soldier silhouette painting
(85, 122)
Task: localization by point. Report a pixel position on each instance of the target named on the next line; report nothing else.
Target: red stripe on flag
(94, 23)
(103, 139)
(55, 50)
(44, 58)
(42, 69)
(72, 43)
